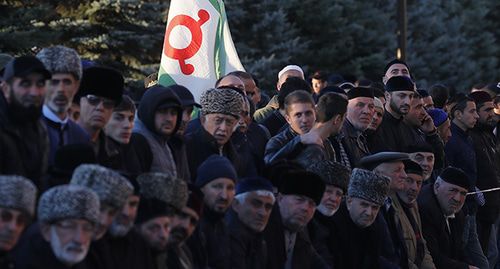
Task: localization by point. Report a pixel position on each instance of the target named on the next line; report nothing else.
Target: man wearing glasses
(67, 217)
(100, 91)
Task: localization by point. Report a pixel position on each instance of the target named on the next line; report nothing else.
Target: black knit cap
(420, 147)
(256, 183)
(399, 83)
(304, 183)
(455, 176)
(360, 92)
(186, 97)
(103, 82)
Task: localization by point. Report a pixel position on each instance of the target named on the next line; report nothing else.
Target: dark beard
(177, 235)
(20, 114)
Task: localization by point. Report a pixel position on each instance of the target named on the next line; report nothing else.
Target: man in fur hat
(17, 208)
(220, 111)
(23, 137)
(355, 240)
(161, 197)
(336, 177)
(67, 216)
(66, 68)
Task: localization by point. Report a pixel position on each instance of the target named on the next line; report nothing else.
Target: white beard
(63, 254)
(325, 211)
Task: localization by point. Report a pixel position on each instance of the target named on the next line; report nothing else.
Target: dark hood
(152, 99)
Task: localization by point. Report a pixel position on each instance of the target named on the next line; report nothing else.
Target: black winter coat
(248, 249)
(446, 249)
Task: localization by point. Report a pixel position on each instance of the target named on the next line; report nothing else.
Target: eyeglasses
(95, 101)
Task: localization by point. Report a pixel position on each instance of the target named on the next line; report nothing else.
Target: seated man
(161, 196)
(67, 216)
(17, 208)
(354, 239)
(287, 242)
(440, 205)
(336, 177)
(250, 213)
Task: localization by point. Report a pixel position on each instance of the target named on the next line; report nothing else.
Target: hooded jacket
(163, 155)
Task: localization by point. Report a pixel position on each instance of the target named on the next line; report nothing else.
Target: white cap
(378, 103)
(290, 67)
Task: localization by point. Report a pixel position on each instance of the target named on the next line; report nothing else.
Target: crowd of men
(329, 173)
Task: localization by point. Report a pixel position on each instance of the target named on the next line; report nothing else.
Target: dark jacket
(180, 257)
(129, 251)
(178, 147)
(285, 145)
(200, 145)
(320, 233)
(24, 147)
(460, 153)
(446, 248)
(304, 254)
(488, 171)
(243, 148)
(71, 132)
(134, 158)
(6, 261)
(33, 252)
(394, 134)
(213, 227)
(353, 247)
(416, 136)
(248, 249)
(275, 122)
(354, 143)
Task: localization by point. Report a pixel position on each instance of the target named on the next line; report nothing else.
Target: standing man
(66, 68)
(394, 68)
(488, 170)
(360, 110)
(17, 208)
(283, 75)
(100, 91)
(399, 94)
(319, 81)
(23, 137)
(250, 213)
(287, 243)
(158, 118)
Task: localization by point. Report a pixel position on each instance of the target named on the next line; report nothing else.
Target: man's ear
(45, 231)
(5, 90)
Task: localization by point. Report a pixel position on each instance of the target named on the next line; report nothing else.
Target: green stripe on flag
(165, 79)
(219, 49)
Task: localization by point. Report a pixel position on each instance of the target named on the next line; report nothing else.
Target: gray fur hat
(17, 192)
(369, 186)
(61, 59)
(163, 187)
(68, 202)
(112, 188)
(222, 100)
(332, 173)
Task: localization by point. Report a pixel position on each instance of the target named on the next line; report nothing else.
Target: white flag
(198, 48)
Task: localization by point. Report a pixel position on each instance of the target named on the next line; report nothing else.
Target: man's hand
(427, 125)
(312, 137)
